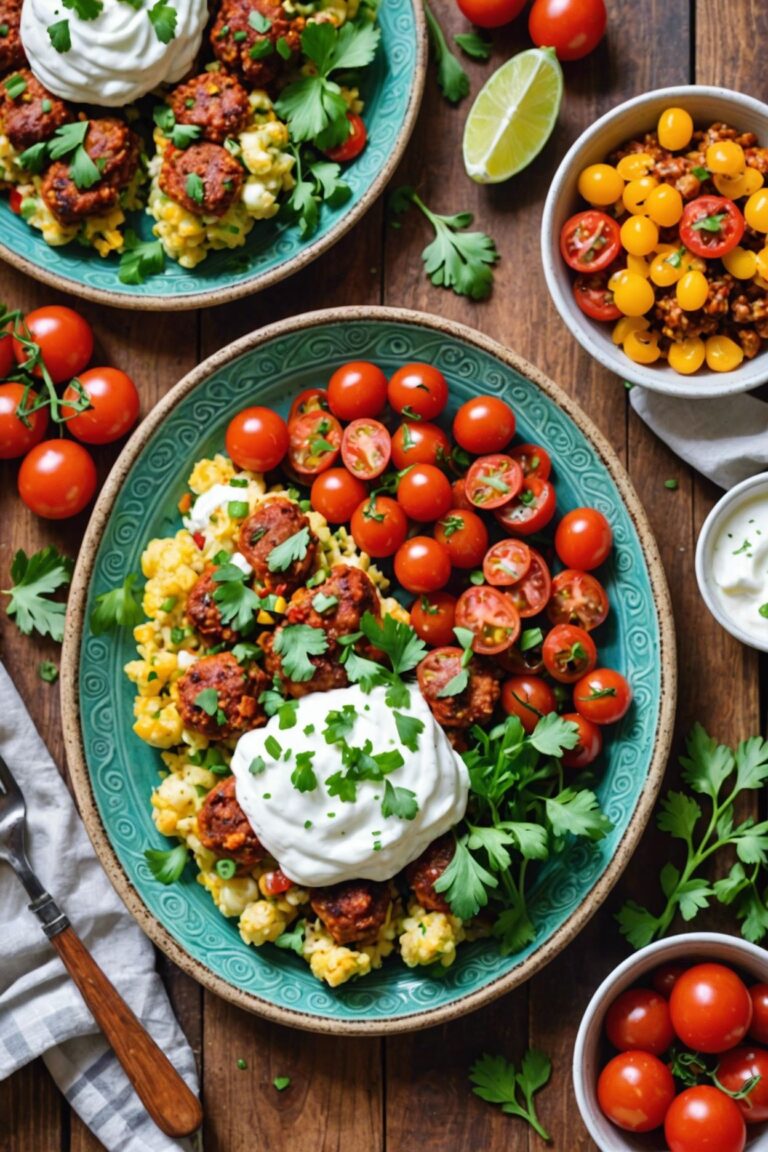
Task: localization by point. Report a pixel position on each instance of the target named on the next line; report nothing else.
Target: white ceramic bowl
(712, 528)
(591, 1051)
(625, 122)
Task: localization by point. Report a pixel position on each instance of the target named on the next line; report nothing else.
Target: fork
(168, 1100)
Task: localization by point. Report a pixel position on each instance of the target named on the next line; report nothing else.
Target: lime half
(513, 116)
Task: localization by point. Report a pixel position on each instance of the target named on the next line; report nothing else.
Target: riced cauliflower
(428, 937)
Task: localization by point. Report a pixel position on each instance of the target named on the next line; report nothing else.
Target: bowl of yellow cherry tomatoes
(655, 241)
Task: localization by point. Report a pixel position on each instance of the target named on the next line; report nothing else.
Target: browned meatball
(352, 911)
(235, 707)
(214, 102)
(328, 671)
(204, 178)
(11, 49)
(354, 593)
(238, 43)
(472, 706)
(224, 829)
(272, 524)
(33, 115)
(204, 613)
(114, 148)
(422, 873)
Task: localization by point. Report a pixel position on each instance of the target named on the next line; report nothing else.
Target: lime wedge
(513, 116)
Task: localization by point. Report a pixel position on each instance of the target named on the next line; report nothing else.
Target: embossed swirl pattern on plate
(123, 770)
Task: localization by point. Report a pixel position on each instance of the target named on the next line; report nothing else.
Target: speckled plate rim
(73, 736)
(313, 249)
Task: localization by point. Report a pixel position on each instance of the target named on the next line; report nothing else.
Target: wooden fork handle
(171, 1104)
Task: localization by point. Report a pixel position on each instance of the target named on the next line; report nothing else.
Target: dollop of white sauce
(740, 566)
(320, 839)
(209, 502)
(115, 58)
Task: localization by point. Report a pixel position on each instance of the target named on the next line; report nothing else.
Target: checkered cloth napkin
(41, 1011)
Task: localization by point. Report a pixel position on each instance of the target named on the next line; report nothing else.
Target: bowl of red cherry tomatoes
(672, 1051)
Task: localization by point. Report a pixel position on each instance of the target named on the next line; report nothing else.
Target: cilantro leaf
(343, 786)
(474, 45)
(140, 259)
(531, 839)
(293, 549)
(59, 36)
(465, 882)
(455, 259)
(692, 896)
(638, 924)
(578, 813)
(400, 802)
(68, 138)
(85, 9)
(34, 578)
(293, 939)
(496, 1080)
(396, 640)
(707, 765)
(117, 609)
(727, 888)
(339, 724)
(553, 735)
(166, 867)
(494, 841)
(83, 170)
(238, 604)
(752, 763)
(362, 671)
(513, 929)
(163, 18)
(409, 729)
(678, 815)
(295, 643)
(303, 776)
(453, 80)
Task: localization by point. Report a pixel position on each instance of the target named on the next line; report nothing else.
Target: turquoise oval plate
(114, 772)
(391, 88)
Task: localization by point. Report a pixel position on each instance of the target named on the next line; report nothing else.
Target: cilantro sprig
(34, 579)
(118, 608)
(140, 259)
(453, 80)
(166, 867)
(496, 1080)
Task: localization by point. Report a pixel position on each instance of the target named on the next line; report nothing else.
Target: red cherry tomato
(310, 400)
(366, 448)
(433, 618)
(590, 743)
(424, 492)
(529, 698)
(422, 443)
(15, 437)
(257, 439)
(665, 977)
(418, 391)
(484, 424)
(7, 359)
(735, 1069)
(507, 562)
(422, 564)
(758, 1029)
(710, 1006)
(354, 143)
(491, 616)
(465, 536)
(460, 495)
(379, 526)
(114, 407)
(639, 1018)
(590, 241)
(711, 226)
(357, 390)
(602, 696)
(531, 594)
(703, 1119)
(64, 337)
(594, 297)
(15, 201)
(583, 539)
(522, 660)
(568, 653)
(577, 598)
(314, 441)
(635, 1090)
(491, 13)
(57, 479)
(493, 481)
(336, 494)
(533, 459)
(275, 883)
(531, 510)
(573, 28)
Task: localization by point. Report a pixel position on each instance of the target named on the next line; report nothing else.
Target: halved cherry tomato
(424, 492)
(57, 479)
(568, 653)
(433, 618)
(366, 448)
(418, 391)
(310, 400)
(491, 616)
(465, 536)
(704, 1118)
(315, 440)
(594, 297)
(354, 143)
(357, 390)
(114, 406)
(379, 526)
(493, 481)
(735, 1069)
(577, 598)
(423, 443)
(529, 698)
(484, 424)
(711, 226)
(533, 459)
(336, 494)
(15, 438)
(257, 439)
(65, 339)
(711, 1007)
(531, 510)
(603, 696)
(590, 743)
(590, 241)
(422, 564)
(274, 883)
(583, 539)
(639, 1018)
(507, 562)
(531, 594)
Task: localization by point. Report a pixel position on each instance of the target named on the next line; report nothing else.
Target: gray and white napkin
(41, 1011)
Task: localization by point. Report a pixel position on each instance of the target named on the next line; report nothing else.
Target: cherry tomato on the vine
(491, 13)
(484, 424)
(703, 1119)
(710, 1006)
(354, 143)
(583, 539)
(357, 389)
(65, 339)
(573, 28)
(114, 406)
(336, 494)
(419, 443)
(635, 1090)
(568, 653)
(529, 698)
(257, 439)
(7, 359)
(418, 391)
(639, 1018)
(433, 618)
(590, 743)
(15, 437)
(424, 492)
(603, 696)
(57, 479)
(465, 536)
(422, 564)
(736, 1068)
(379, 526)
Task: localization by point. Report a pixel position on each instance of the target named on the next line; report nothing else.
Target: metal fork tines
(13, 818)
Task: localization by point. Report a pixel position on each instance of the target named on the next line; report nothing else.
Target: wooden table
(411, 1092)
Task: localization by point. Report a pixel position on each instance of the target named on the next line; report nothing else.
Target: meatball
(272, 524)
(223, 827)
(422, 873)
(114, 148)
(241, 47)
(34, 115)
(214, 102)
(234, 704)
(204, 178)
(11, 49)
(472, 706)
(328, 672)
(353, 911)
(204, 613)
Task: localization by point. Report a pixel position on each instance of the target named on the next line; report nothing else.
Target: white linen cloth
(41, 1010)
(726, 439)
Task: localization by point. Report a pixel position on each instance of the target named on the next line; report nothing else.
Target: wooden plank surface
(412, 1092)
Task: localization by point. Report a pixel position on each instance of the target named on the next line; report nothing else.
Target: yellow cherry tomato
(692, 291)
(675, 129)
(634, 166)
(667, 266)
(642, 346)
(692, 263)
(761, 264)
(616, 278)
(638, 265)
(756, 210)
(723, 354)
(664, 205)
(636, 193)
(738, 186)
(600, 184)
(639, 235)
(740, 262)
(633, 295)
(726, 158)
(627, 324)
(687, 356)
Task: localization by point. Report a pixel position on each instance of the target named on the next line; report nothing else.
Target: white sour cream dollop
(115, 58)
(740, 567)
(207, 504)
(320, 839)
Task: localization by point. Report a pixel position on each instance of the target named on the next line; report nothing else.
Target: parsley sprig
(140, 259)
(453, 80)
(35, 578)
(118, 608)
(496, 1080)
(317, 182)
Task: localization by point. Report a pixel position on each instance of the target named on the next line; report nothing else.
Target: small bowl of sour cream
(732, 561)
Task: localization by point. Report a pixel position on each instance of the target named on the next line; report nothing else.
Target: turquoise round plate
(392, 88)
(114, 772)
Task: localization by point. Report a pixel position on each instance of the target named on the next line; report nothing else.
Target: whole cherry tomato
(484, 424)
(7, 359)
(710, 1006)
(379, 526)
(114, 408)
(639, 1018)
(491, 13)
(419, 443)
(433, 618)
(573, 28)
(64, 337)
(703, 1119)
(635, 1091)
(583, 539)
(424, 492)
(57, 479)
(418, 391)
(465, 536)
(257, 439)
(568, 653)
(529, 698)
(354, 143)
(422, 564)
(357, 389)
(758, 1029)
(15, 437)
(735, 1069)
(665, 977)
(590, 743)
(336, 494)
(603, 696)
